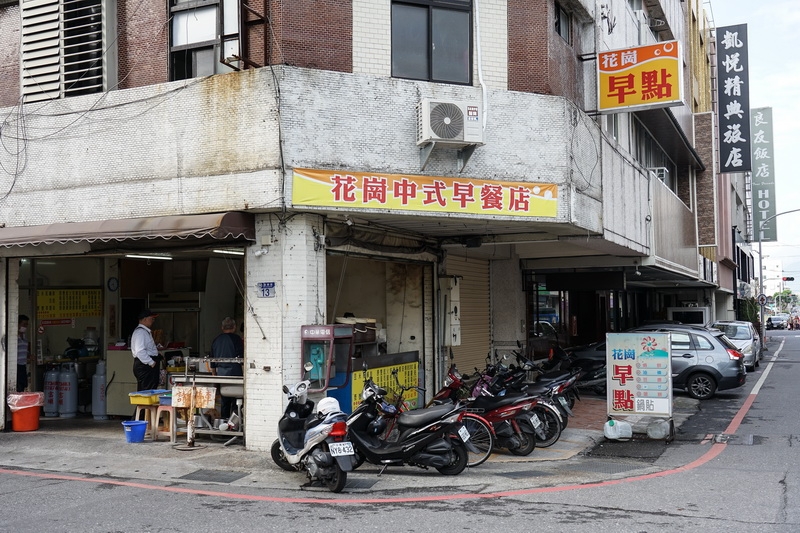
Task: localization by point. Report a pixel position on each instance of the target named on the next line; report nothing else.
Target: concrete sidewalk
(88, 447)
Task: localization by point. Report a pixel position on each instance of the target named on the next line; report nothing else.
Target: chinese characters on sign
(639, 374)
(763, 158)
(643, 77)
(68, 304)
(330, 188)
(733, 91)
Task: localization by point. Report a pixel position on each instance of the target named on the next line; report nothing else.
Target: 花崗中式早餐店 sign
(430, 194)
(641, 77)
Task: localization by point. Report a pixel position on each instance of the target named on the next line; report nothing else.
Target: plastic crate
(165, 399)
(146, 397)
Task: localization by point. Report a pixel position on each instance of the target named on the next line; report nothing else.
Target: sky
(772, 28)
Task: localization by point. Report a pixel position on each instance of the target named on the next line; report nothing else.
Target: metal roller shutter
(475, 312)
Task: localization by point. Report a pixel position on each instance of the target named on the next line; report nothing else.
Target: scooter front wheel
(279, 457)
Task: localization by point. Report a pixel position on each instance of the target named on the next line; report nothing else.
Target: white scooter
(316, 443)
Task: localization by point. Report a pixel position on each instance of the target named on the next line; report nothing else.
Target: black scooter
(433, 437)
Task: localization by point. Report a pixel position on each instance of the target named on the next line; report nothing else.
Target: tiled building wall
(9, 49)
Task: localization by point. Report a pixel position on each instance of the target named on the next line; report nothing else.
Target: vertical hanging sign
(733, 97)
(763, 156)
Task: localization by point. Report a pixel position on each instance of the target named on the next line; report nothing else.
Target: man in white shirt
(146, 359)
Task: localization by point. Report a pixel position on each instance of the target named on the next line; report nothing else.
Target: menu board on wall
(68, 303)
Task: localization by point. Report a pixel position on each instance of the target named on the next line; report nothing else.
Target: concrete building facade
(312, 88)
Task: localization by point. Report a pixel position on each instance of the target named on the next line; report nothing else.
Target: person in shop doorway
(146, 359)
(227, 345)
(23, 353)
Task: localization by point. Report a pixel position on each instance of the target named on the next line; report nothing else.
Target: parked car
(704, 360)
(777, 322)
(745, 337)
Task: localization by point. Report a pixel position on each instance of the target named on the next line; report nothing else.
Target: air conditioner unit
(449, 122)
(661, 173)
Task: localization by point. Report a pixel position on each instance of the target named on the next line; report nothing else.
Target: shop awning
(214, 227)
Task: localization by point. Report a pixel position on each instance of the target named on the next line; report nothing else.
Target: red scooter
(512, 416)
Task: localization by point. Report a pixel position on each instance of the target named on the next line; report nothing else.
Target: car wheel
(701, 386)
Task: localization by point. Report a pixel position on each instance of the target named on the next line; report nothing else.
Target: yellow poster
(68, 303)
(641, 77)
(432, 194)
(407, 373)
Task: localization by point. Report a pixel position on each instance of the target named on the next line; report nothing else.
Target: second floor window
(203, 33)
(65, 48)
(563, 24)
(432, 40)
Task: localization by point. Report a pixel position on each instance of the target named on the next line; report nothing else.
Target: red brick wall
(143, 44)
(528, 28)
(9, 45)
(254, 43)
(313, 34)
(706, 205)
(539, 60)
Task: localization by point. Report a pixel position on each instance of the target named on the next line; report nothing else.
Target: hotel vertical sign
(763, 156)
(733, 91)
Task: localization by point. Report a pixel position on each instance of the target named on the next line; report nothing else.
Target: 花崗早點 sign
(430, 194)
(641, 77)
(639, 374)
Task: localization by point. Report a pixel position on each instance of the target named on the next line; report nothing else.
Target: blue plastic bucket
(135, 430)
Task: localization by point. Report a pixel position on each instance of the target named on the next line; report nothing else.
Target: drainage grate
(360, 483)
(604, 468)
(216, 476)
(524, 474)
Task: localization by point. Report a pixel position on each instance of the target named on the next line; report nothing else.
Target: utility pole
(761, 266)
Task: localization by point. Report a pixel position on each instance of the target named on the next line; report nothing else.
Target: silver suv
(703, 360)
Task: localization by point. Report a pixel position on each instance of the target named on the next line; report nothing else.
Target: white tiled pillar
(291, 255)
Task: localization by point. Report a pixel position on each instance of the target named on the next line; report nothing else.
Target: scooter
(432, 437)
(315, 443)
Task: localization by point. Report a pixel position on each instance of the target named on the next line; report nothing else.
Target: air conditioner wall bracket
(425, 153)
(463, 155)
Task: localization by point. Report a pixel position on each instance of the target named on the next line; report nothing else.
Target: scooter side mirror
(285, 389)
(308, 367)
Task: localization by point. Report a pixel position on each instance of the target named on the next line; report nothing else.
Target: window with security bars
(68, 47)
(204, 34)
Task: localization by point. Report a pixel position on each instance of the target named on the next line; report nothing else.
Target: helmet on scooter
(327, 406)
(377, 426)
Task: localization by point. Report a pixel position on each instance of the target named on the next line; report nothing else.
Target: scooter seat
(420, 417)
(488, 403)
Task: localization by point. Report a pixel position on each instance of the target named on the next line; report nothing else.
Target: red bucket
(26, 419)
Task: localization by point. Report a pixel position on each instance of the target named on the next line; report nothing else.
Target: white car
(745, 337)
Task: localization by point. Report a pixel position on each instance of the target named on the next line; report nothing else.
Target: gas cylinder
(67, 391)
(51, 392)
(99, 392)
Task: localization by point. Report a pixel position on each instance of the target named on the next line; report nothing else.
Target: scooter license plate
(463, 433)
(338, 449)
(563, 401)
(535, 421)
